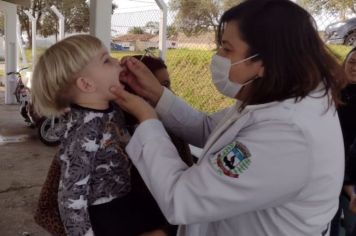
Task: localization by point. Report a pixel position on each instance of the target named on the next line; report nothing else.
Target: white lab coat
(289, 183)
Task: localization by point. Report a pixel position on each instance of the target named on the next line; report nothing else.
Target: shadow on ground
(23, 168)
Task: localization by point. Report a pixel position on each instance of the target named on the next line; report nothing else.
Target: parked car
(116, 47)
(342, 32)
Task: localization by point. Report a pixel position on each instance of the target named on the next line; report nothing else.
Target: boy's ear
(85, 85)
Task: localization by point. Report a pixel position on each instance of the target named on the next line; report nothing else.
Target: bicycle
(48, 128)
(23, 97)
(20, 89)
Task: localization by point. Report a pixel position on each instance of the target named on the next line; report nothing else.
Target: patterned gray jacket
(95, 168)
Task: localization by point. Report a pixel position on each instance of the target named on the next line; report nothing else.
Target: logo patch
(233, 160)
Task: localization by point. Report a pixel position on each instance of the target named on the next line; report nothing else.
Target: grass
(190, 75)
(28, 53)
(191, 80)
(340, 51)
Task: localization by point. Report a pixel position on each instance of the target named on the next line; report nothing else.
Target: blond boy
(77, 73)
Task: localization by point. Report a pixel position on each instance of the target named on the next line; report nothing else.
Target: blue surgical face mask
(220, 70)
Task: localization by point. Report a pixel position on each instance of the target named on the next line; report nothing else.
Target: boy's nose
(119, 66)
(116, 62)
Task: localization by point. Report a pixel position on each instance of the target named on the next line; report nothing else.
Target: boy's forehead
(98, 56)
(101, 53)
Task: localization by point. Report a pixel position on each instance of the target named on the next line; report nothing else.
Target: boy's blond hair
(56, 71)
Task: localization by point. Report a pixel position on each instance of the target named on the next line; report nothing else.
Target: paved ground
(23, 167)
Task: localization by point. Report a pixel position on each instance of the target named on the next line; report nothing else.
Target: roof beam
(25, 3)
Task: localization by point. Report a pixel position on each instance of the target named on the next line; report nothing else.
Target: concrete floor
(23, 168)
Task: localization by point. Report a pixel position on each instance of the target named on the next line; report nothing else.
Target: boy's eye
(107, 60)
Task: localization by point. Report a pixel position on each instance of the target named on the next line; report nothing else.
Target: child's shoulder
(117, 109)
(123, 119)
(80, 135)
(84, 123)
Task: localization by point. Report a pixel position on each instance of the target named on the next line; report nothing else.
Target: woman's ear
(85, 85)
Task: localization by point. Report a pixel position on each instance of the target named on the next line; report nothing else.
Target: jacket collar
(318, 92)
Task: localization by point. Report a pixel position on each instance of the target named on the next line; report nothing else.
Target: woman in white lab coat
(272, 164)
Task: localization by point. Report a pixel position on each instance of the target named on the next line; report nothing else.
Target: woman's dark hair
(294, 57)
(152, 63)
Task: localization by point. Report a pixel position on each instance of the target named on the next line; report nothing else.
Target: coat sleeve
(274, 167)
(192, 126)
(74, 188)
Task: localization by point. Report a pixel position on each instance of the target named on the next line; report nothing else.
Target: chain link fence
(188, 56)
(335, 23)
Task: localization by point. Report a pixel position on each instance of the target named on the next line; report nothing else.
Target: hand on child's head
(155, 233)
(123, 73)
(124, 60)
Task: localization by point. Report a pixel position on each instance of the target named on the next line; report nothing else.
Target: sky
(135, 5)
(132, 13)
(137, 13)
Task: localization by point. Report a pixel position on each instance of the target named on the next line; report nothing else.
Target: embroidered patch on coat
(233, 160)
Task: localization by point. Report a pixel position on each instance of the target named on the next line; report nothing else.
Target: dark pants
(335, 223)
(130, 215)
(349, 219)
(112, 218)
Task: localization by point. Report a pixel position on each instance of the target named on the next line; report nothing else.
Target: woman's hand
(141, 80)
(155, 233)
(134, 104)
(352, 205)
(350, 191)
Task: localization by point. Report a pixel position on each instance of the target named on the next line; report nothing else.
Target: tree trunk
(56, 33)
(29, 35)
(216, 37)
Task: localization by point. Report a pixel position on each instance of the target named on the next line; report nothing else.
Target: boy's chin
(111, 97)
(118, 84)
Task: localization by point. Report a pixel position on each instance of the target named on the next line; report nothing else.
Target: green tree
(136, 30)
(152, 27)
(113, 8)
(335, 7)
(199, 16)
(2, 24)
(37, 6)
(172, 31)
(76, 13)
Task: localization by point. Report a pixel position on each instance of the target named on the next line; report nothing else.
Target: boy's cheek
(121, 85)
